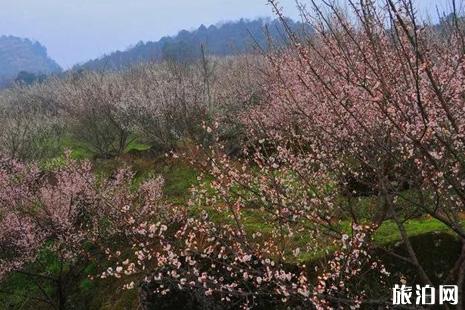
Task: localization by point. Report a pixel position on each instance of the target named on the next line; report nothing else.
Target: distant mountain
(19, 55)
(227, 39)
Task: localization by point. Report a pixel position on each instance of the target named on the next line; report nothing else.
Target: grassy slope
(179, 177)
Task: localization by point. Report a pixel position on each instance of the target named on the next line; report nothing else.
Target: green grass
(136, 146)
(389, 233)
(179, 178)
(81, 151)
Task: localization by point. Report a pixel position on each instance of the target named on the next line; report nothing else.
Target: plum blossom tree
(222, 262)
(374, 100)
(370, 104)
(68, 212)
(30, 126)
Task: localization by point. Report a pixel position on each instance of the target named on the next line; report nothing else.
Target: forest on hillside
(23, 55)
(226, 39)
(325, 171)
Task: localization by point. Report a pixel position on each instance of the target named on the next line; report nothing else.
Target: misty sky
(77, 30)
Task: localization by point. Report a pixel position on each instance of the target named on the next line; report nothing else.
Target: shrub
(30, 127)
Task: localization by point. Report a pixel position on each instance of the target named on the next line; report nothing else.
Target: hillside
(230, 38)
(18, 54)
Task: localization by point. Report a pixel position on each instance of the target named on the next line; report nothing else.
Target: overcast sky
(77, 30)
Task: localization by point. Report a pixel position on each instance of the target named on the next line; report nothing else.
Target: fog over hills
(229, 38)
(24, 58)
(18, 54)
